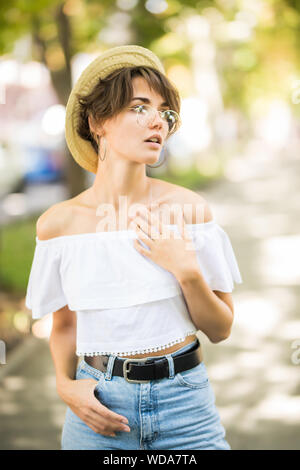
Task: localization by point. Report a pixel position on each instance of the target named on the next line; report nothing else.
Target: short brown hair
(113, 93)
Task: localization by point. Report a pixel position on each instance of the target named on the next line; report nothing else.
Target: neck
(132, 183)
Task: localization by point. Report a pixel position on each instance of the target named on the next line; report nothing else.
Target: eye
(139, 108)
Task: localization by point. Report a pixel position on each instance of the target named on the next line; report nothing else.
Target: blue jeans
(173, 413)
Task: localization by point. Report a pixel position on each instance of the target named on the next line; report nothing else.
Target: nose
(157, 121)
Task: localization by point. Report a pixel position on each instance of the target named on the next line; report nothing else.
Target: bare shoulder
(195, 207)
(53, 221)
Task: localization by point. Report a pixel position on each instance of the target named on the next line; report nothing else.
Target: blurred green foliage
(16, 255)
(190, 178)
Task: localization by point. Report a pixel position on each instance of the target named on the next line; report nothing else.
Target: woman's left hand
(176, 253)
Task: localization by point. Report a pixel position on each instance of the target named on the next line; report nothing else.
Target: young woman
(132, 268)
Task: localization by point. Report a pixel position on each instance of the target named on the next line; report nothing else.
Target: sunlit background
(236, 66)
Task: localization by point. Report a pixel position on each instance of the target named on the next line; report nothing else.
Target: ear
(95, 128)
(92, 124)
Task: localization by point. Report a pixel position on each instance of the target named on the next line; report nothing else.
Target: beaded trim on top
(137, 351)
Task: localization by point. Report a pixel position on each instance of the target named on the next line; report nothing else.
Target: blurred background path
(254, 373)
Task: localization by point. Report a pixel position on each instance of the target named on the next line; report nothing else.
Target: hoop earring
(99, 149)
(159, 164)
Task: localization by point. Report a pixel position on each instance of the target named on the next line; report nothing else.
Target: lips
(155, 136)
(153, 145)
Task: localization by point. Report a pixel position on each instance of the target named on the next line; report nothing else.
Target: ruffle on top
(104, 270)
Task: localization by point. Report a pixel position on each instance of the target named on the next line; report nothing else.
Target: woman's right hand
(79, 396)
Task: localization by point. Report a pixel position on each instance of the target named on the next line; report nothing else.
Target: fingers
(111, 415)
(107, 420)
(142, 228)
(98, 407)
(182, 227)
(104, 425)
(150, 224)
(99, 418)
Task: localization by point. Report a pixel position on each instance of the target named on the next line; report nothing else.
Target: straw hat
(112, 59)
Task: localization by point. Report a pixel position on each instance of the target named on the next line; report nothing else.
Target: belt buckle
(125, 370)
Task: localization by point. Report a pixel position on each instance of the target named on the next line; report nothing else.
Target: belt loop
(109, 368)
(171, 365)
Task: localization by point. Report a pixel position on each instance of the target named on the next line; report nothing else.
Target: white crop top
(125, 303)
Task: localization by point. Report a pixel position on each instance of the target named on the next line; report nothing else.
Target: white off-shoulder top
(125, 303)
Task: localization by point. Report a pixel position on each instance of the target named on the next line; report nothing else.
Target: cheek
(131, 136)
(127, 135)
(127, 141)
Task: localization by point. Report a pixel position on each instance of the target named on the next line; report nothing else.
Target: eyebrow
(146, 100)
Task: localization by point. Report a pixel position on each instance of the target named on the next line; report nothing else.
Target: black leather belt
(145, 369)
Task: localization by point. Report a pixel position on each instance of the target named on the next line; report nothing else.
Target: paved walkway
(255, 379)
(31, 413)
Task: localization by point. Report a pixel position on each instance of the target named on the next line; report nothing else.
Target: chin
(152, 161)
(148, 161)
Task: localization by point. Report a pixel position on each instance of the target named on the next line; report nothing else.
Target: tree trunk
(62, 84)
(75, 174)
